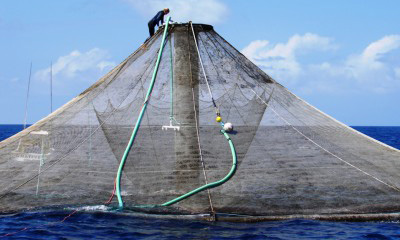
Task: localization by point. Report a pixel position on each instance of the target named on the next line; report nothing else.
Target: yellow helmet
(218, 119)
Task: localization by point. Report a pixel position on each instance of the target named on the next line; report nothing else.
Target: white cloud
(368, 64)
(380, 47)
(75, 71)
(252, 50)
(280, 60)
(370, 70)
(78, 66)
(201, 11)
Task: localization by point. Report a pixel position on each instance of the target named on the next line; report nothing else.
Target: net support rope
(171, 115)
(197, 127)
(226, 90)
(204, 72)
(172, 119)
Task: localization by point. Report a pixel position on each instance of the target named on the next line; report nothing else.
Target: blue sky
(341, 56)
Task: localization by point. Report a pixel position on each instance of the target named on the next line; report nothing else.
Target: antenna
(27, 96)
(51, 87)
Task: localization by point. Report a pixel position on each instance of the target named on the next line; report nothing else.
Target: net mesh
(292, 158)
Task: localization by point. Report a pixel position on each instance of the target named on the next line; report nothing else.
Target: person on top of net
(156, 19)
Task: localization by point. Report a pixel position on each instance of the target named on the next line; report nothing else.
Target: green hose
(135, 130)
(213, 184)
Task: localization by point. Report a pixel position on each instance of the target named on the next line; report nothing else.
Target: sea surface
(106, 225)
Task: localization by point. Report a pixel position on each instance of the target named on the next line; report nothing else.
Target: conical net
(292, 158)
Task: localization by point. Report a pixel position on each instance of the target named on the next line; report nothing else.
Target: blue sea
(105, 225)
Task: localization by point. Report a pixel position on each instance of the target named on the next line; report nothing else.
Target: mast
(27, 96)
(51, 87)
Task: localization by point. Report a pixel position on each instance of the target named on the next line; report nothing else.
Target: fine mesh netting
(292, 158)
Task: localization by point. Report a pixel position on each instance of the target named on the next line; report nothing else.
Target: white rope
(334, 155)
(195, 117)
(201, 63)
(200, 151)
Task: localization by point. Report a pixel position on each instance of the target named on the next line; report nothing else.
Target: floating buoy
(228, 127)
(218, 119)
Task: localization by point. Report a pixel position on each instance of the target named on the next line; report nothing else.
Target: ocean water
(107, 225)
